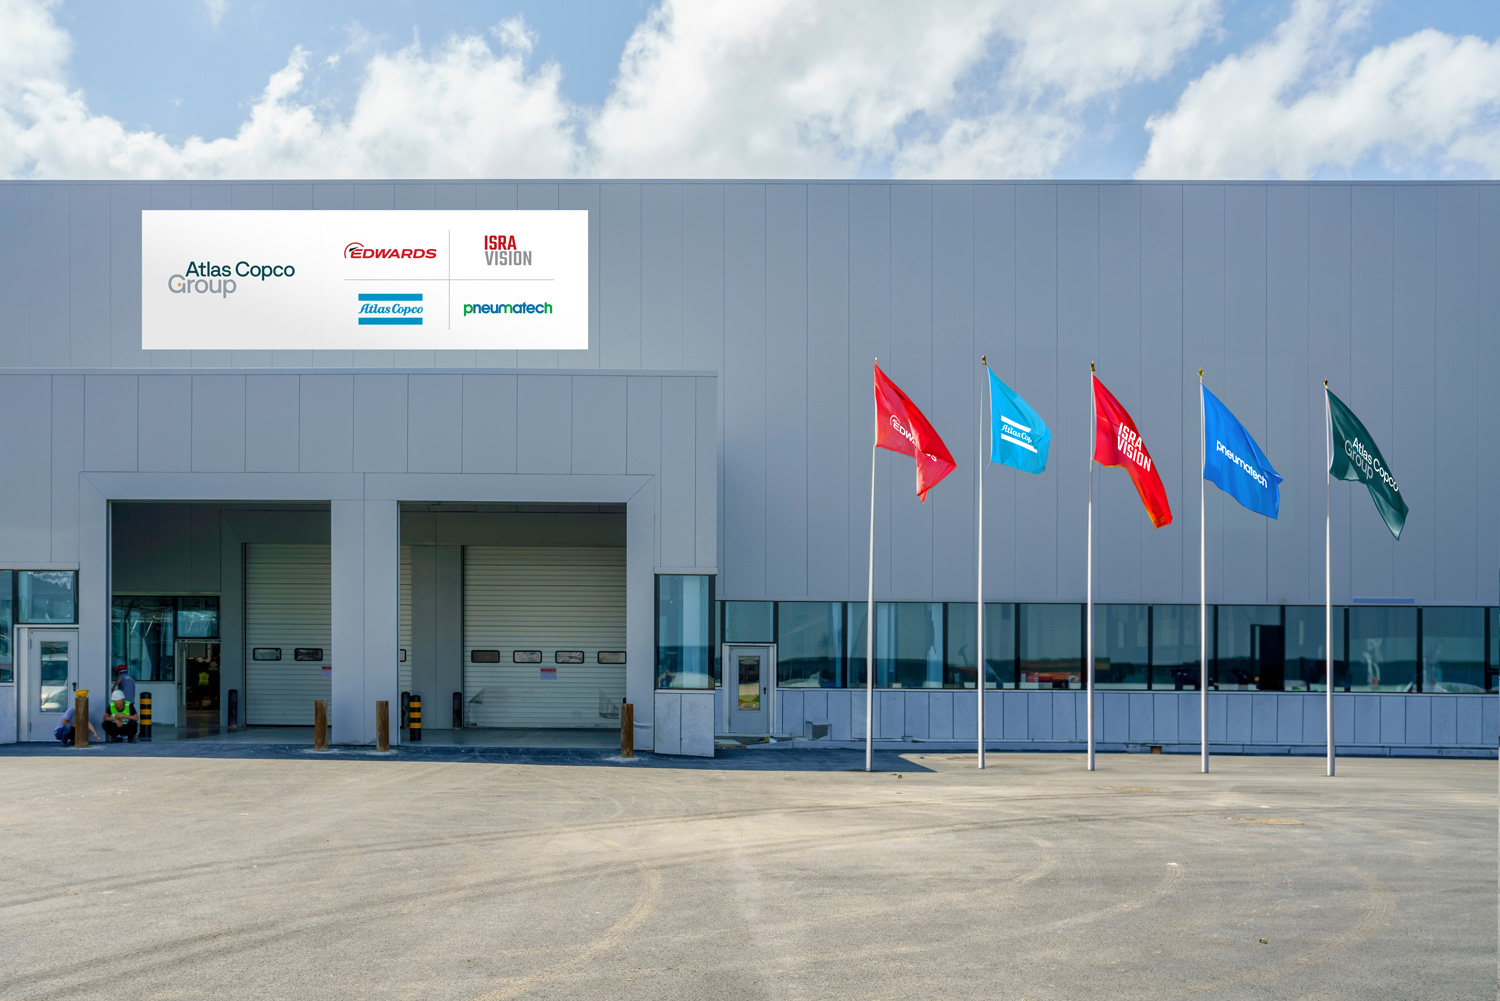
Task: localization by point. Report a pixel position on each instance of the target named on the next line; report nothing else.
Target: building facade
(678, 516)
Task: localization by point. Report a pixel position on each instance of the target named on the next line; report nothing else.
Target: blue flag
(1234, 462)
(1018, 435)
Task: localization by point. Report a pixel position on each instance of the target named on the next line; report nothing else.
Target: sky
(1279, 89)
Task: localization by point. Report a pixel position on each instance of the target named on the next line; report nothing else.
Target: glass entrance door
(750, 672)
(198, 683)
(51, 669)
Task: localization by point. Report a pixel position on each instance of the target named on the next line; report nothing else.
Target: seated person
(64, 731)
(120, 719)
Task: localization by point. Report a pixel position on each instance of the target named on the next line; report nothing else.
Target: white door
(749, 677)
(51, 670)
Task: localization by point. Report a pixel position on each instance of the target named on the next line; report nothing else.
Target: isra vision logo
(390, 309)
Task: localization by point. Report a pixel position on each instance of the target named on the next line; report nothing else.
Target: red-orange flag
(900, 427)
(1118, 443)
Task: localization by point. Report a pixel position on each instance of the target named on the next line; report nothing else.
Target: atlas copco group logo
(359, 252)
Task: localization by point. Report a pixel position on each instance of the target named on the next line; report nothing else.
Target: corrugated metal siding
(547, 599)
(405, 627)
(288, 604)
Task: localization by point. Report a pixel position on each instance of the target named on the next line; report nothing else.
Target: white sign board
(329, 280)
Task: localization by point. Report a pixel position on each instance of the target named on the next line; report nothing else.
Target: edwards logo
(359, 252)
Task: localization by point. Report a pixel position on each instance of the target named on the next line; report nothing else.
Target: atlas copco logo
(359, 252)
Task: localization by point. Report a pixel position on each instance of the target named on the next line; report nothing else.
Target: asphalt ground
(135, 873)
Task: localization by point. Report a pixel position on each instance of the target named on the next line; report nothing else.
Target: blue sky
(1068, 88)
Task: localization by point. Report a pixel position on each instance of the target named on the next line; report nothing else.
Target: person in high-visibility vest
(120, 719)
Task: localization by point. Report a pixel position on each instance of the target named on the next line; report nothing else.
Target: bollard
(234, 709)
(320, 725)
(414, 720)
(627, 730)
(382, 726)
(145, 701)
(81, 718)
(458, 710)
(405, 720)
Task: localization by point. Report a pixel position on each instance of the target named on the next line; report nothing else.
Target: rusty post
(627, 730)
(382, 726)
(320, 725)
(81, 718)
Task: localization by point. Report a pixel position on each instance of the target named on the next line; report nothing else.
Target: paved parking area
(786, 875)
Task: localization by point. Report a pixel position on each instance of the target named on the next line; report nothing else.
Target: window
(1122, 646)
(198, 618)
(47, 596)
(1249, 649)
(999, 645)
(1051, 646)
(1492, 673)
(611, 657)
(7, 626)
(1175, 655)
(266, 653)
(809, 644)
(1382, 649)
(1453, 649)
(908, 644)
(143, 637)
(683, 657)
(1306, 654)
(749, 622)
(307, 654)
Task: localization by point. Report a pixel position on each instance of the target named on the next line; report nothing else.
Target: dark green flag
(1356, 458)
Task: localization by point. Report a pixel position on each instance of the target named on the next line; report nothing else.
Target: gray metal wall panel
(15, 274)
(1037, 497)
(1372, 350)
(1123, 542)
(434, 422)
(909, 535)
(660, 255)
(47, 285)
(218, 424)
(109, 422)
(786, 405)
(1292, 422)
(1328, 267)
(544, 424)
(272, 423)
(174, 196)
(643, 425)
(831, 377)
(214, 196)
(88, 275)
(706, 472)
(677, 532)
(456, 196)
(621, 261)
(586, 196)
(599, 412)
(1412, 446)
(995, 337)
(548, 196)
(165, 424)
(26, 457)
(171, 547)
(489, 403)
(207, 545)
(326, 424)
(1202, 344)
(1077, 282)
(744, 495)
(1243, 532)
(953, 406)
(869, 338)
(1487, 579)
(379, 430)
(67, 463)
(1454, 435)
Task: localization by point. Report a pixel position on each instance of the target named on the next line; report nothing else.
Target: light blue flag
(1234, 462)
(1018, 435)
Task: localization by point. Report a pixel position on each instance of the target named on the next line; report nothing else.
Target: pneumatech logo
(472, 308)
(359, 252)
(390, 309)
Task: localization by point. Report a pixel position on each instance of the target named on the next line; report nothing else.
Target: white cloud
(1299, 103)
(215, 10)
(777, 88)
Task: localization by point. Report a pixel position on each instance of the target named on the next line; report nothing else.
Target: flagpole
(979, 591)
(1089, 645)
(870, 603)
(1202, 580)
(1328, 570)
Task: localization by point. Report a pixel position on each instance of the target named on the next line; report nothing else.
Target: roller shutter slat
(288, 604)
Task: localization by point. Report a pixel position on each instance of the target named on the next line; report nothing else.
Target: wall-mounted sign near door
(334, 280)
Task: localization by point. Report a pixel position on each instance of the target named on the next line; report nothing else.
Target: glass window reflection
(809, 644)
(1382, 649)
(1175, 654)
(7, 627)
(1051, 646)
(999, 645)
(1453, 649)
(143, 637)
(1250, 649)
(682, 631)
(47, 596)
(1122, 646)
(749, 622)
(1306, 653)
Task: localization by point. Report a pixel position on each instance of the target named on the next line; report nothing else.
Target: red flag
(900, 427)
(1118, 443)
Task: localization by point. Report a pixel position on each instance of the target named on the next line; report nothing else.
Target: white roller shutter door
(405, 639)
(545, 599)
(288, 605)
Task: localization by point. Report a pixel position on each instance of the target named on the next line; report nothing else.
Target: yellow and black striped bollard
(414, 720)
(145, 715)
